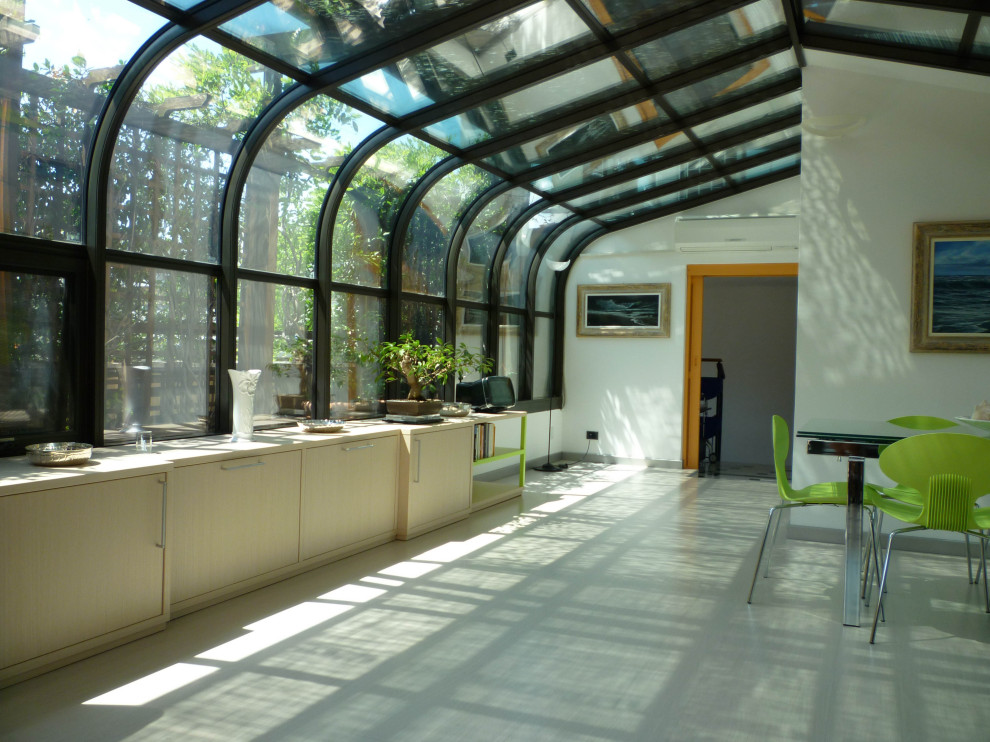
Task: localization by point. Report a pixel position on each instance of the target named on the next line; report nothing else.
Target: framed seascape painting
(950, 295)
(624, 310)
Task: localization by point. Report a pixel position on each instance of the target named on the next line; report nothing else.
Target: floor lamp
(548, 466)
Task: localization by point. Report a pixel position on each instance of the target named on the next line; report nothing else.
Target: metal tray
(59, 454)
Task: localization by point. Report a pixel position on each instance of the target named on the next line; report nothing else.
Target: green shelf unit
(485, 494)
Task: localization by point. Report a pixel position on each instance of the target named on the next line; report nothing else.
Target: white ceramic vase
(244, 383)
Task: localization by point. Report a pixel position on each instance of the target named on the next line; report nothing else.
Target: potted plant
(423, 367)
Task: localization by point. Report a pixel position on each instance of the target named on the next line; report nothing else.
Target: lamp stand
(548, 467)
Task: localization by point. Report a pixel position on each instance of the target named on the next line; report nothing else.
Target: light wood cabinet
(348, 496)
(233, 521)
(434, 478)
(79, 564)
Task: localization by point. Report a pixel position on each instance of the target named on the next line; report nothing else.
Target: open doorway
(746, 316)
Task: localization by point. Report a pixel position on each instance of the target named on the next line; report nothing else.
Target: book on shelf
(484, 441)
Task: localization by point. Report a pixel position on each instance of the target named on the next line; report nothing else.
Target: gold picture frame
(950, 292)
(624, 310)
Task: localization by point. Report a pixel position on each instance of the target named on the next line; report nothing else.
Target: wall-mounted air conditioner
(736, 233)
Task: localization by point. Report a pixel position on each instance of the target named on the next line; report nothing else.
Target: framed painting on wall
(624, 310)
(950, 295)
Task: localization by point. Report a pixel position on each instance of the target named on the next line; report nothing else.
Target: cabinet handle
(358, 448)
(161, 544)
(231, 467)
(419, 459)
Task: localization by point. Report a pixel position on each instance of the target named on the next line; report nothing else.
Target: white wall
(631, 389)
(923, 154)
(751, 322)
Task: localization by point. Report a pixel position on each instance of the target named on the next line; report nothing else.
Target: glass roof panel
(173, 153)
(56, 70)
(574, 139)
(483, 237)
(981, 44)
(313, 35)
(733, 84)
(768, 168)
(367, 213)
(471, 60)
(180, 4)
(522, 108)
(886, 23)
(521, 251)
(758, 146)
(748, 117)
(643, 183)
(668, 200)
(427, 239)
(710, 39)
(287, 184)
(624, 15)
(639, 154)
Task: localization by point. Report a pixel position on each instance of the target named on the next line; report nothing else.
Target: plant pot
(413, 406)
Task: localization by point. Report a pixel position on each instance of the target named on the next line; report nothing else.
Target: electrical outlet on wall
(591, 435)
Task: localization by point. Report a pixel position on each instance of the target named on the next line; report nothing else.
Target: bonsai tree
(423, 366)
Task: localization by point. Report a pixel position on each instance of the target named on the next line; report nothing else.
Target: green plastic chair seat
(950, 472)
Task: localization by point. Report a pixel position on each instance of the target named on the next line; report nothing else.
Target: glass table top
(869, 431)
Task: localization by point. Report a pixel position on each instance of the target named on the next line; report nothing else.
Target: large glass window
(275, 335)
(427, 239)
(520, 253)
(160, 371)
(36, 360)
(510, 347)
(173, 155)
(357, 323)
(56, 69)
(483, 237)
(285, 190)
(370, 207)
(471, 329)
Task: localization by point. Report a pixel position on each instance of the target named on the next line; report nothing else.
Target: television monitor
(488, 394)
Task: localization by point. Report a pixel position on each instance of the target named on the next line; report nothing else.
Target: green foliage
(422, 365)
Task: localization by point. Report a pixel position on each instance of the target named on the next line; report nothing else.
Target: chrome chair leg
(759, 557)
(983, 566)
(883, 582)
(773, 541)
(969, 561)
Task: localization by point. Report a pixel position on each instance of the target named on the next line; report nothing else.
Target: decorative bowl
(322, 426)
(455, 409)
(59, 454)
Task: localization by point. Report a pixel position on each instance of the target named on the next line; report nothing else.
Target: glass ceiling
(584, 102)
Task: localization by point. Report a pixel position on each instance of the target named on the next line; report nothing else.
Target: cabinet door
(439, 471)
(233, 520)
(79, 562)
(348, 494)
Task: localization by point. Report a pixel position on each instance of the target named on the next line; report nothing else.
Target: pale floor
(608, 604)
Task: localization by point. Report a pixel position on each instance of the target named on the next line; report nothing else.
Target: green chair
(823, 493)
(951, 472)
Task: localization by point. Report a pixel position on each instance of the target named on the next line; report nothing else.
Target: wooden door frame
(696, 275)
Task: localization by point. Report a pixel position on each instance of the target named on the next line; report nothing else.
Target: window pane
(790, 135)
(173, 154)
(311, 37)
(285, 190)
(56, 69)
(471, 60)
(472, 330)
(542, 357)
(736, 83)
(36, 367)
(357, 323)
(482, 240)
(554, 260)
(623, 15)
(641, 184)
(528, 106)
(768, 168)
(510, 339)
(784, 105)
(576, 139)
(275, 334)
(668, 200)
(892, 24)
(160, 353)
(424, 321)
(370, 207)
(708, 40)
(427, 240)
(981, 44)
